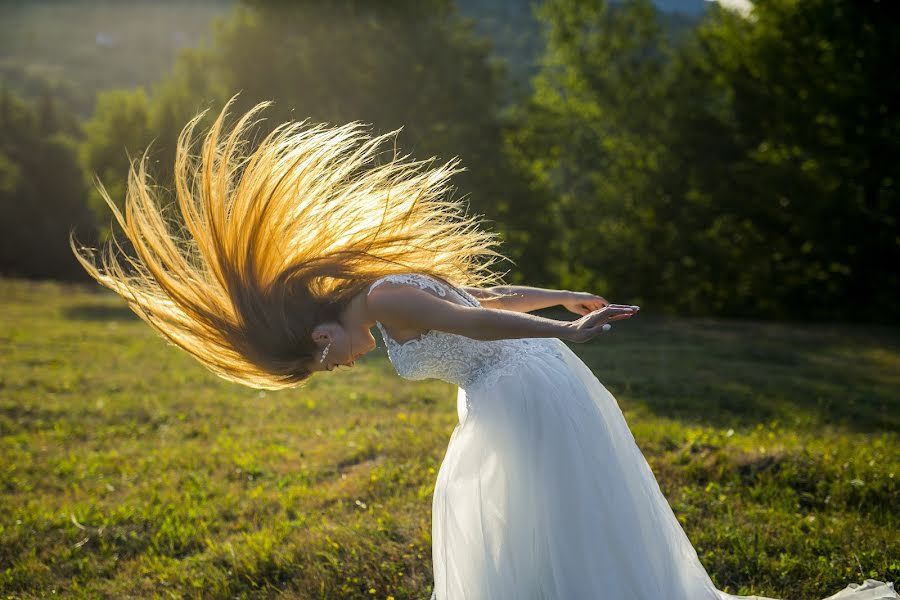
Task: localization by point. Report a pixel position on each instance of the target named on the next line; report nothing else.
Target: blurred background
(732, 168)
(693, 157)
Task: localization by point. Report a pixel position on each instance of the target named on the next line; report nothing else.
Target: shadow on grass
(727, 373)
(98, 312)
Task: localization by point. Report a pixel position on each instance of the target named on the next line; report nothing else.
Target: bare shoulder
(395, 297)
(407, 306)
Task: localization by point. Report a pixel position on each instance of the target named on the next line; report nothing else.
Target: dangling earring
(325, 352)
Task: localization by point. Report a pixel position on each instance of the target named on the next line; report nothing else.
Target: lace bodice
(454, 358)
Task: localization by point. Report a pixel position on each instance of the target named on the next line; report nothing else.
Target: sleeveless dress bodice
(455, 358)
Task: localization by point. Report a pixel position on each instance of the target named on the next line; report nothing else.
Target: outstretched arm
(518, 298)
(408, 308)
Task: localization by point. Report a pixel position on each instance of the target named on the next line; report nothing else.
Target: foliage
(742, 167)
(413, 65)
(589, 135)
(121, 124)
(41, 189)
(781, 126)
(746, 170)
(80, 48)
(815, 148)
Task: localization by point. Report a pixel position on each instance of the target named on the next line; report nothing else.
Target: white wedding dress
(543, 493)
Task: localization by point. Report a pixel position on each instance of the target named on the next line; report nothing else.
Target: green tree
(590, 133)
(42, 194)
(119, 131)
(415, 65)
(747, 170)
(781, 124)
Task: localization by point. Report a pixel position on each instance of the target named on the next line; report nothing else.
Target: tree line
(744, 167)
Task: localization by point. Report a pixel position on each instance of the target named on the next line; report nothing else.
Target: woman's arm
(519, 298)
(409, 308)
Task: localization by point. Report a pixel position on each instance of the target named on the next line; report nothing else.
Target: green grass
(128, 470)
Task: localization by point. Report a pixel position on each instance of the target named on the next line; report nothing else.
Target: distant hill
(516, 34)
(75, 48)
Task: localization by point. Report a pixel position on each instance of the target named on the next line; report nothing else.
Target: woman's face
(344, 344)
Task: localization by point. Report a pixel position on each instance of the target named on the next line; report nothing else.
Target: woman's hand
(581, 303)
(591, 324)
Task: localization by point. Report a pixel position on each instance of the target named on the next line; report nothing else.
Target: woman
(295, 251)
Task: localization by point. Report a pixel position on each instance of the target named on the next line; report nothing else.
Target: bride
(297, 249)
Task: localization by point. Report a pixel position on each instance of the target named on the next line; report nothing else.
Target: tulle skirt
(543, 494)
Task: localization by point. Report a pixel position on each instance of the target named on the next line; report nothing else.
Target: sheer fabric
(543, 493)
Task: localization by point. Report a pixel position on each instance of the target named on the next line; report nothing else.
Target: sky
(742, 6)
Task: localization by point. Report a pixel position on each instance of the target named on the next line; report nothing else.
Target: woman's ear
(323, 333)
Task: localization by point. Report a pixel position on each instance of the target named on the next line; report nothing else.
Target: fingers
(616, 307)
(588, 303)
(593, 322)
(618, 317)
(613, 312)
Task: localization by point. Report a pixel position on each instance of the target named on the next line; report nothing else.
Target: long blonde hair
(281, 240)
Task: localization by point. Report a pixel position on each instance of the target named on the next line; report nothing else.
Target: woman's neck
(357, 312)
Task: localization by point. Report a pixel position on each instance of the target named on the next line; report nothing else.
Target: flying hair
(271, 242)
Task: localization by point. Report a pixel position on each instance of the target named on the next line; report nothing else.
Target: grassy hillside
(128, 470)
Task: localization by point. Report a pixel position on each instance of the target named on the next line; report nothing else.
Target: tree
(119, 131)
(415, 65)
(41, 191)
(746, 171)
(590, 133)
(782, 121)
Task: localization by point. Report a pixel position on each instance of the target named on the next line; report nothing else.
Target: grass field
(128, 470)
